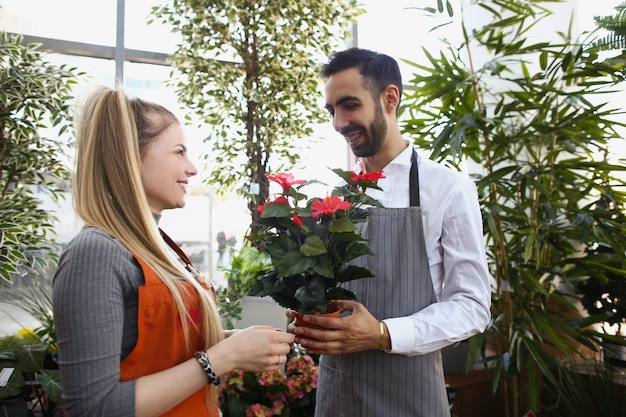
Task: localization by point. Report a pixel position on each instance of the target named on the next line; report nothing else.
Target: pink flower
(328, 206)
(278, 408)
(259, 410)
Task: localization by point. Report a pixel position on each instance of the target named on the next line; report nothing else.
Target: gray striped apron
(372, 382)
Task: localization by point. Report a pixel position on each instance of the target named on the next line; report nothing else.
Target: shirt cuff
(402, 334)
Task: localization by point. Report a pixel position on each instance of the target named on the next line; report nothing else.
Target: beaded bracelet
(203, 359)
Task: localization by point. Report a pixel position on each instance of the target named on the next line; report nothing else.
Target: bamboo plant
(530, 123)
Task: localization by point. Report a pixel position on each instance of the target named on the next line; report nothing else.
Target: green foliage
(249, 69)
(310, 240)
(36, 300)
(32, 350)
(14, 407)
(616, 27)
(26, 359)
(590, 388)
(14, 342)
(243, 271)
(33, 96)
(604, 289)
(50, 380)
(528, 122)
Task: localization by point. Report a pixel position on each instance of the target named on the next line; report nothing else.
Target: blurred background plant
(250, 71)
(34, 357)
(34, 96)
(274, 393)
(590, 388)
(244, 268)
(30, 384)
(523, 111)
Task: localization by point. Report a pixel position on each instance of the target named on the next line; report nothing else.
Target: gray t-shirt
(95, 314)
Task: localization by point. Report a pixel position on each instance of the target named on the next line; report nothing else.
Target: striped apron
(375, 383)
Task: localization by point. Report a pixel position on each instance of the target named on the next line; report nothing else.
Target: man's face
(356, 115)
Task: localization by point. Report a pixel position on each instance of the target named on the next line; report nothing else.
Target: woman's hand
(256, 348)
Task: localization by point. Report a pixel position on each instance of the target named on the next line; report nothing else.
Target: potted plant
(311, 241)
(34, 350)
(272, 393)
(21, 365)
(244, 268)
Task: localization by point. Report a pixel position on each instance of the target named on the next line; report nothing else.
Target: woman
(139, 334)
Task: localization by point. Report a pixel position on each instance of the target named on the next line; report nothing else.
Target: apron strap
(414, 182)
(188, 265)
(170, 242)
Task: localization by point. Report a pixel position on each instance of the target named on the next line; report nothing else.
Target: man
(431, 286)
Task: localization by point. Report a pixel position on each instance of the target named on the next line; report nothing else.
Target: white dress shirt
(456, 255)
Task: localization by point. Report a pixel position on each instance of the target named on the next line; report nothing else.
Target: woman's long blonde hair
(112, 132)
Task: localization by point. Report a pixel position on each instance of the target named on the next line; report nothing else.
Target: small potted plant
(21, 368)
(312, 240)
(272, 393)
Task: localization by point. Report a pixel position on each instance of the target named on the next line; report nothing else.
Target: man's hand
(353, 333)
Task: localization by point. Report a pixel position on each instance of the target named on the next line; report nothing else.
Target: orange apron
(161, 341)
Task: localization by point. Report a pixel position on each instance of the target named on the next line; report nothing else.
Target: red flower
(367, 176)
(328, 206)
(284, 180)
(298, 220)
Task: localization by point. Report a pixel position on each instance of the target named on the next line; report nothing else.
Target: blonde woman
(138, 330)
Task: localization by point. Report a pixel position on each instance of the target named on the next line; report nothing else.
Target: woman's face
(166, 169)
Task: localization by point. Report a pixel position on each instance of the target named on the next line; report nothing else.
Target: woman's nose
(191, 169)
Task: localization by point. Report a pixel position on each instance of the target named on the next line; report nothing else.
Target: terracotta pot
(300, 322)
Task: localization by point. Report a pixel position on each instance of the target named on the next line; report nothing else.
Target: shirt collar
(404, 157)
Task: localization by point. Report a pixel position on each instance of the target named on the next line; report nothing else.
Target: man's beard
(375, 135)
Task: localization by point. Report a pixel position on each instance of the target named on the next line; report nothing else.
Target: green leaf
(338, 293)
(313, 246)
(50, 380)
(29, 358)
(342, 225)
(347, 273)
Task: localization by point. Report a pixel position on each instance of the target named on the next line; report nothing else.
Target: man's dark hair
(378, 70)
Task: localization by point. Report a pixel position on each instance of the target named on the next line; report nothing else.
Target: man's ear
(391, 98)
